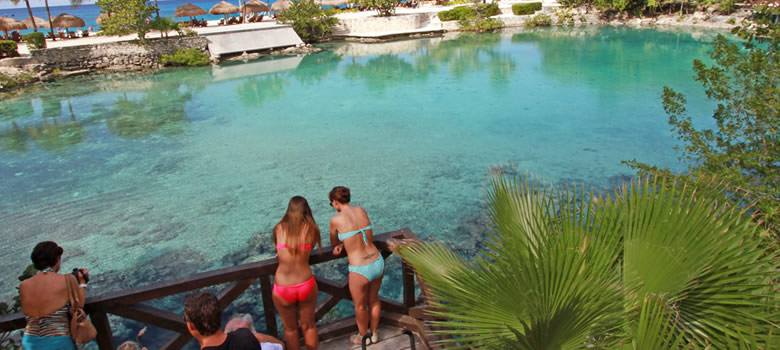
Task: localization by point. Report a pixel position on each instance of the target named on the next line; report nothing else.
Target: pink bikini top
(303, 246)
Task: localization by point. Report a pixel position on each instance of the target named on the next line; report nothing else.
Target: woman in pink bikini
(295, 291)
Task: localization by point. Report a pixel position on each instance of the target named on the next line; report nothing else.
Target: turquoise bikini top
(345, 235)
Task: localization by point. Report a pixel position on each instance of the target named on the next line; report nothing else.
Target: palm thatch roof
(39, 22)
(189, 10)
(334, 2)
(67, 21)
(281, 5)
(8, 23)
(224, 8)
(255, 6)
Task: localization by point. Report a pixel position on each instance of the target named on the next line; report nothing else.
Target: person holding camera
(44, 299)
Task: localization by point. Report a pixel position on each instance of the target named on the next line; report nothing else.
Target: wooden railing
(129, 304)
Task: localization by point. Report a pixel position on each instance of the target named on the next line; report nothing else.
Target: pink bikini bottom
(296, 292)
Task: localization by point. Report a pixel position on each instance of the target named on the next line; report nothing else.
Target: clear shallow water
(143, 177)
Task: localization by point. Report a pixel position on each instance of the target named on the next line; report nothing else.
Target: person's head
(202, 313)
(129, 345)
(298, 225)
(240, 321)
(338, 196)
(46, 254)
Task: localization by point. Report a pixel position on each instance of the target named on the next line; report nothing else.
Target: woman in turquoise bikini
(350, 230)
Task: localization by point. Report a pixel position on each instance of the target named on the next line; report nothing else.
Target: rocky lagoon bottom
(149, 176)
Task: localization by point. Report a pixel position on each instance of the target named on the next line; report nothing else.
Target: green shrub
(463, 13)
(35, 40)
(165, 25)
(526, 9)
(309, 21)
(455, 2)
(732, 21)
(384, 7)
(540, 20)
(8, 81)
(185, 57)
(8, 48)
(188, 32)
(481, 25)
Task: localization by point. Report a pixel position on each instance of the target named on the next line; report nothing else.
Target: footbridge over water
(226, 40)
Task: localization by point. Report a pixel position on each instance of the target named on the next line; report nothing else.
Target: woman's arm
(334, 237)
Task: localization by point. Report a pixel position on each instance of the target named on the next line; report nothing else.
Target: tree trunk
(29, 10)
(51, 26)
(157, 9)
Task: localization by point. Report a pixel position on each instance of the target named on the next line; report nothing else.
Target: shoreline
(26, 72)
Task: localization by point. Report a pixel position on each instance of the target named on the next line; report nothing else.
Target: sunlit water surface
(145, 177)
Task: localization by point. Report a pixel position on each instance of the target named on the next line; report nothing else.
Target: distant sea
(89, 12)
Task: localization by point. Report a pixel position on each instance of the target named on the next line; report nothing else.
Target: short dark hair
(339, 194)
(203, 311)
(45, 254)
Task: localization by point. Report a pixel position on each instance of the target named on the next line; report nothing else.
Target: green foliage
(478, 18)
(540, 20)
(384, 7)
(309, 21)
(165, 25)
(526, 8)
(127, 17)
(481, 25)
(9, 81)
(653, 265)
(744, 148)
(565, 16)
(462, 13)
(455, 2)
(185, 57)
(335, 10)
(35, 40)
(8, 48)
(187, 31)
(731, 21)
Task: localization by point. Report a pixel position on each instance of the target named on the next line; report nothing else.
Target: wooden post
(268, 305)
(408, 288)
(105, 339)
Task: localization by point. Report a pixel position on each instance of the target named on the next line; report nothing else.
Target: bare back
(352, 219)
(293, 268)
(43, 294)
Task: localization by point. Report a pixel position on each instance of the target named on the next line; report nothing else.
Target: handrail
(129, 303)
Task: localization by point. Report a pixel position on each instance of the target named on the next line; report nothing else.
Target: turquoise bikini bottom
(372, 270)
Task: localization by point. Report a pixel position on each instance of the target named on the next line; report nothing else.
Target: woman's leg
(308, 325)
(358, 287)
(289, 314)
(374, 306)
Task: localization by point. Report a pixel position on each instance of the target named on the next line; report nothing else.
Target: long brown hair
(298, 217)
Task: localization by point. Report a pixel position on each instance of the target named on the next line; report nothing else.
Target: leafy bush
(481, 25)
(526, 9)
(8, 48)
(384, 7)
(188, 32)
(731, 21)
(35, 40)
(540, 20)
(454, 2)
(308, 20)
(462, 13)
(165, 25)
(127, 16)
(8, 81)
(185, 57)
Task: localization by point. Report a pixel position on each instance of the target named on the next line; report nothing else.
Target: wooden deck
(390, 338)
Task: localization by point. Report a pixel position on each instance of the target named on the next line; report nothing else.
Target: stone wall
(116, 55)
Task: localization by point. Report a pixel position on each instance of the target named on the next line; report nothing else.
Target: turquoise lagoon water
(149, 176)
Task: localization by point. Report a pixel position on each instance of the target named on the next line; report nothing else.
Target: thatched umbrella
(39, 22)
(334, 2)
(254, 6)
(67, 21)
(224, 8)
(8, 23)
(101, 18)
(281, 5)
(189, 10)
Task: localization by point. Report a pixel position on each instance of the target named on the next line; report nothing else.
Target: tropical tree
(127, 16)
(652, 266)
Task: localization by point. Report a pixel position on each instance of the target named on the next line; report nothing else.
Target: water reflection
(257, 90)
(53, 133)
(156, 111)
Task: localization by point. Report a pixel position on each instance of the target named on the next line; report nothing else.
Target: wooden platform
(390, 338)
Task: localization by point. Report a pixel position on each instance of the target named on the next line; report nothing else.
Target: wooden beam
(324, 306)
(408, 285)
(105, 338)
(268, 306)
(392, 305)
(337, 328)
(150, 315)
(233, 291)
(12, 322)
(177, 342)
(338, 289)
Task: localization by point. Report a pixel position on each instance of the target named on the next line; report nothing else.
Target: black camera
(76, 273)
